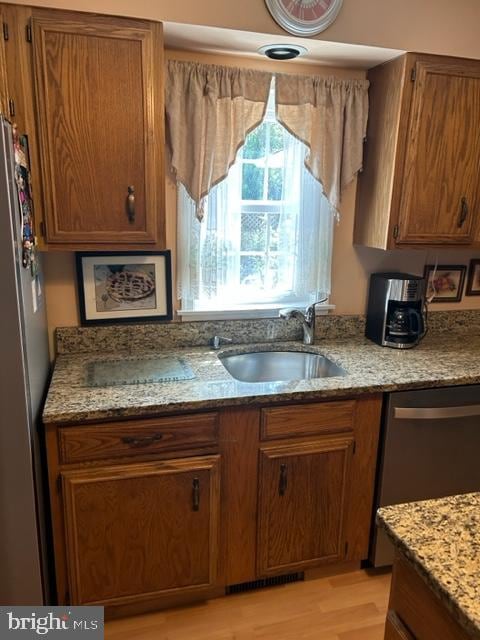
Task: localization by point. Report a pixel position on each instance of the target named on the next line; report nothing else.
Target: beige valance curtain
(210, 109)
(330, 116)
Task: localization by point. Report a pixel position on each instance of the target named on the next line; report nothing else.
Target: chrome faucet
(216, 341)
(307, 317)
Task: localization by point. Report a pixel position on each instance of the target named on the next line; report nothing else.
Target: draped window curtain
(330, 116)
(210, 109)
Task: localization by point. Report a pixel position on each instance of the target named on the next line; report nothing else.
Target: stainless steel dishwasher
(430, 449)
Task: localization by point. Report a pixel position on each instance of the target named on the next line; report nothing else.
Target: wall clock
(304, 17)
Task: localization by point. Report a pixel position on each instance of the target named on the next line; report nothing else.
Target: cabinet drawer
(138, 437)
(307, 419)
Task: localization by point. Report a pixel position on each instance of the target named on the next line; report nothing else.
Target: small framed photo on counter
(473, 283)
(445, 282)
(124, 287)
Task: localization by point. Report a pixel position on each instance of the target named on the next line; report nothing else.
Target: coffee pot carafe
(396, 310)
(405, 322)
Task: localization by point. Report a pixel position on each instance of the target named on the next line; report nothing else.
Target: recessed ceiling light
(282, 51)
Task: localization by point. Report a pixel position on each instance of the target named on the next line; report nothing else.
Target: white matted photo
(124, 287)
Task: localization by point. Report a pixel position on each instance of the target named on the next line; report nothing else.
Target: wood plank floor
(350, 606)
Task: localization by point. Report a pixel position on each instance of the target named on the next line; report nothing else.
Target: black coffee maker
(396, 310)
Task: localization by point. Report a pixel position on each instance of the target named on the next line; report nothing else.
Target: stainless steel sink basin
(279, 366)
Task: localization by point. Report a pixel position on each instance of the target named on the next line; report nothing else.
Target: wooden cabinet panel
(100, 111)
(307, 419)
(441, 196)
(3, 70)
(137, 437)
(302, 491)
(421, 179)
(419, 608)
(395, 629)
(18, 57)
(139, 531)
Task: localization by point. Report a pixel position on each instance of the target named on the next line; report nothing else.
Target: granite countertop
(442, 540)
(440, 360)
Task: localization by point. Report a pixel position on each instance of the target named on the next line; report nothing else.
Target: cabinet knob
(463, 212)
(131, 203)
(196, 494)
(282, 484)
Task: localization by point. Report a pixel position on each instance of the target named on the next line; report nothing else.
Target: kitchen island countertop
(440, 360)
(441, 539)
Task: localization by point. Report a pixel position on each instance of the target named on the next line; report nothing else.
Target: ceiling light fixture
(282, 51)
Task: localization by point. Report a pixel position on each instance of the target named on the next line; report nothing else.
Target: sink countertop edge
(370, 369)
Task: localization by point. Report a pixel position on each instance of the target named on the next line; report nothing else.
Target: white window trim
(250, 312)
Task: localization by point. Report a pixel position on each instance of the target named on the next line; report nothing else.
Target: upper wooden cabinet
(99, 92)
(421, 178)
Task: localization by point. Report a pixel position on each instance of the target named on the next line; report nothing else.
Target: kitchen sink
(279, 366)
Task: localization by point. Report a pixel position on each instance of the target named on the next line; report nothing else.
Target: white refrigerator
(24, 372)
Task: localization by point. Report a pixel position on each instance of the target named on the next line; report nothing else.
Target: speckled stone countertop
(442, 540)
(440, 360)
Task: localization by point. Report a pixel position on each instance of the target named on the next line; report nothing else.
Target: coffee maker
(396, 310)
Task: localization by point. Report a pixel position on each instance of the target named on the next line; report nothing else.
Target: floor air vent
(265, 582)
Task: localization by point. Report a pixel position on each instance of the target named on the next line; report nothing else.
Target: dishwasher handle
(436, 413)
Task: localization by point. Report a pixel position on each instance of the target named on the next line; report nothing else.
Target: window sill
(248, 313)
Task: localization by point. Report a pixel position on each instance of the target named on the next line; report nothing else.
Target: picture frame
(449, 281)
(127, 286)
(473, 282)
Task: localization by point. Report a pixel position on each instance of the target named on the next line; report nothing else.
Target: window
(266, 238)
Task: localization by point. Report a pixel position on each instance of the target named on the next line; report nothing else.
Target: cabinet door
(302, 501)
(100, 111)
(141, 531)
(441, 187)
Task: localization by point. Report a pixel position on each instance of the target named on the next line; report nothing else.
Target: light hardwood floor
(350, 606)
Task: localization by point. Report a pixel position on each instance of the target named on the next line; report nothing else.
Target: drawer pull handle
(436, 413)
(142, 442)
(196, 494)
(131, 204)
(282, 485)
(463, 212)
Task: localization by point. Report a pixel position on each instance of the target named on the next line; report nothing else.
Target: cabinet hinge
(11, 107)
(42, 229)
(59, 483)
(6, 34)
(354, 446)
(346, 548)
(413, 74)
(395, 231)
(28, 32)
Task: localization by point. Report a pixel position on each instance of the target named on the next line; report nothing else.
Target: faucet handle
(216, 341)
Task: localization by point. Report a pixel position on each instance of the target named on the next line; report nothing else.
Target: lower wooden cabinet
(415, 612)
(138, 531)
(395, 629)
(302, 495)
(150, 513)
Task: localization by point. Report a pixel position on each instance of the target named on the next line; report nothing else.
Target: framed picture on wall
(473, 283)
(445, 282)
(124, 287)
